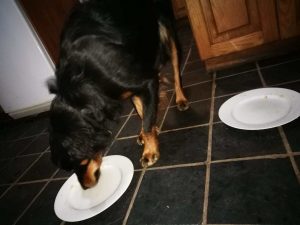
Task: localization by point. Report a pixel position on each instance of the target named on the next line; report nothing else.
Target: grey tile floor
(208, 173)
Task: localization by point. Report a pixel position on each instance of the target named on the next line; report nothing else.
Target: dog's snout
(92, 174)
(90, 180)
(97, 174)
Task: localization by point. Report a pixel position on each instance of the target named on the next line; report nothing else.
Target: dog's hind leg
(181, 101)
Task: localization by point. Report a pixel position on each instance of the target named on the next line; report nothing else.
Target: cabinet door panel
(225, 19)
(289, 18)
(221, 27)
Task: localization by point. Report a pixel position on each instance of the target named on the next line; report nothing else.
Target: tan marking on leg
(151, 150)
(139, 108)
(126, 94)
(138, 105)
(181, 101)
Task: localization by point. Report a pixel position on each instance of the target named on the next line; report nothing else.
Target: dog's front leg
(151, 150)
(146, 106)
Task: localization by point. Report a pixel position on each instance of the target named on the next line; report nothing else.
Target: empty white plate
(72, 203)
(261, 108)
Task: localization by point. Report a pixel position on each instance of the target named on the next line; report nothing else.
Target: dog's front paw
(140, 140)
(148, 159)
(182, 105)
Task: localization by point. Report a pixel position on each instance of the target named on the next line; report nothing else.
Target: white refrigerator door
(24, 66)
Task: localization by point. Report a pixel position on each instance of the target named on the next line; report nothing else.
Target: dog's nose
(90, 180)
(97, 174)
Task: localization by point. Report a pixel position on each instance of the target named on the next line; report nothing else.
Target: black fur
(108, 47)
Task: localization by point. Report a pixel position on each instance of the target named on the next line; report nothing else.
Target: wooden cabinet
(179, 8)
(288, 18)
(223, 27)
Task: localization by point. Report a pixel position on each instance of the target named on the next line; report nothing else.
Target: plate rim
(79, 215)
(111, 192)
(226, 109)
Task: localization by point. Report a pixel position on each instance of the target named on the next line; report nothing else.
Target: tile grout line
(248, 158)
(127, 137)
(30, 154)
(20, 155)
(200, 163)
(209, 151)
(191, 102)
(191, 84)
(283, 137)
(33, 181)
(166, 112)
(195, 84)
(257, 64)
(168, 131)
(278, 64)
(28, 168)
(34, 199)
(23, 137)
(235, 93)
(181, 72)
(134, 197)
(235, 74)
(289, 152)
(176, 166)
(144, 170)
(202, 69)
(284, 83)
(124, 124)
(34, 138)
(184, 128)
(260, 75)
(118, 133)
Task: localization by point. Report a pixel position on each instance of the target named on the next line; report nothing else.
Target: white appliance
(24, 65)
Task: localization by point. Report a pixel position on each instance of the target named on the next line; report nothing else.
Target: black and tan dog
(110, 50)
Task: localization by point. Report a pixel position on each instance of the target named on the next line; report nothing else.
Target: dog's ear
(59, 154)
(52, 85)
(92, 116)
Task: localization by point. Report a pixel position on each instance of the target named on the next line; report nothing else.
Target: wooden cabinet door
(47, 18)
(288, 18)
(179, 8)
(224, 26)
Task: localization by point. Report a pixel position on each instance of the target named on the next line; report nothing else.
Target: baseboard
(31, 110)
(265, 51)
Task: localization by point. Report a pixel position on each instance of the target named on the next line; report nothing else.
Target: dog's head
(76, 142)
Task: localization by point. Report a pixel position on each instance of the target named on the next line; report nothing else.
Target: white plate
(68, 207)
(261, 108)
(85, 199)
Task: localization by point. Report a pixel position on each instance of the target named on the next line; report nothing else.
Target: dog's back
(112, 37)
